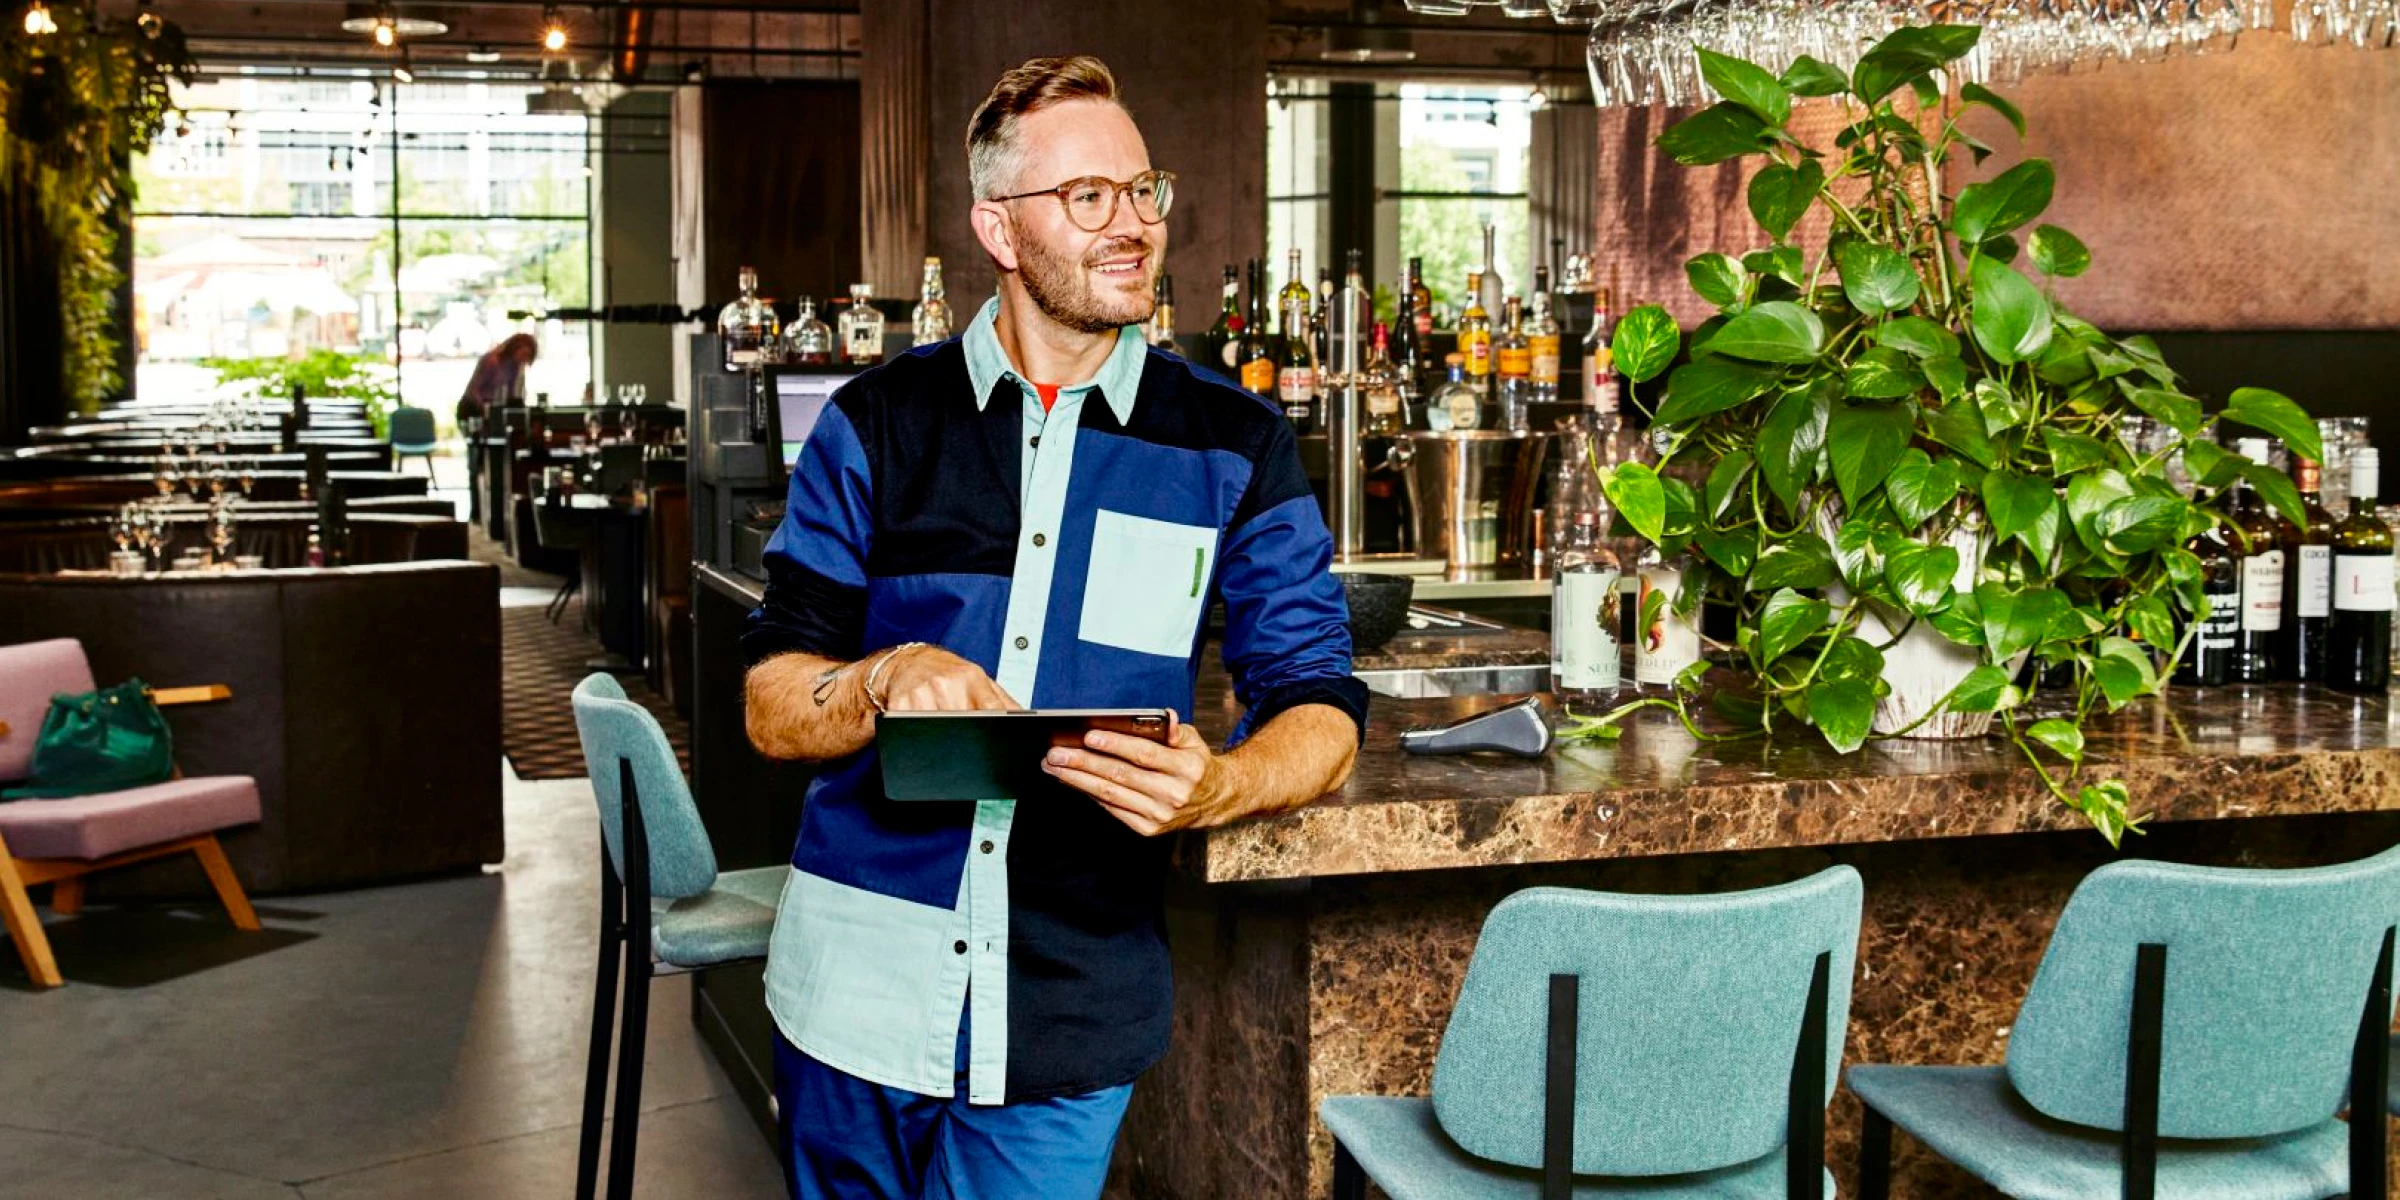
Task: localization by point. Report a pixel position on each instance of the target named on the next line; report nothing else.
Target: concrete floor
(411, 1041)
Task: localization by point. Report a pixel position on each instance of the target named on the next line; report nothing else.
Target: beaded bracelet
(875, 673)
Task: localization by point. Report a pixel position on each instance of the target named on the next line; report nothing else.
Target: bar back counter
(366, 702)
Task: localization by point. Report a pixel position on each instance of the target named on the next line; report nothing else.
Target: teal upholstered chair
(655, 859)
(2191, 1032)
(1614, 1045)
(412, 436)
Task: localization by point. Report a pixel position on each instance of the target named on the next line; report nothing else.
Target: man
(1035, 514)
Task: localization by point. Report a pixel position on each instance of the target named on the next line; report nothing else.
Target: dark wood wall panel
(896, 122)
(781, 163)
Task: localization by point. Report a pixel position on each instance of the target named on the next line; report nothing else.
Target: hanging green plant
(76, 104)
(1903, 448)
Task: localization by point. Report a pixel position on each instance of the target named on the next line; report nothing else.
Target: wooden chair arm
(201, 694)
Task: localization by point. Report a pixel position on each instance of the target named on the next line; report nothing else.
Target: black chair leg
(1349, 1182)
(1875, 1156)
(558, 602)
(2138, 1154)
(631, 1035)
(604, 1008)
(2370, 1076)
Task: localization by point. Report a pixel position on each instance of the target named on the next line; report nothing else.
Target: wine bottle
(1296, 371)
(1223, 346)
(2209, 649)
(2307, 579)
(1256, 353)
(2254, 534)
(2360, 650)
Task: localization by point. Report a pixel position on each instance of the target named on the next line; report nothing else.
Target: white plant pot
(1923, 666)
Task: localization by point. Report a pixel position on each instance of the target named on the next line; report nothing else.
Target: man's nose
(1126, 224)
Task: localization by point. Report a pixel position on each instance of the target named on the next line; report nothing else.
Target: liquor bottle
(930, 322)
(1475, 336)
(1386, 412)
(2209, 649)
(1291, 304)
(2261, 548)
(1458, 404)
(1408, 342)
(2308, 580)
(1584, 585)
(2360, 654)
(1320, 327)
(808, 342)
(1160, 330)
(1256, 352)
(862, 328)
(1223, 345)
(1296, 372)
(1541, 334)
(1665, 641)
(315, 555)
(1600, 388)
(1513, 354)
(1420, 303)
(746, 325)
(1493, 287)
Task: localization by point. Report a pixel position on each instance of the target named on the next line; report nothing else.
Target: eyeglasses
(1091, 202)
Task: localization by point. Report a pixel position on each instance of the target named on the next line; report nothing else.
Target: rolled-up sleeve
(1287, 625)
(816, 599)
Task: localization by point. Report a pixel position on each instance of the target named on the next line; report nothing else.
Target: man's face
(1092, 281)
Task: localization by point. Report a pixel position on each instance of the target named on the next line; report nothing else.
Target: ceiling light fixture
(554, 31)
(387, 25)
(38, 21)
(483, 54)
(401, 71)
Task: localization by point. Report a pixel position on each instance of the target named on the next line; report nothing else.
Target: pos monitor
(801, 394)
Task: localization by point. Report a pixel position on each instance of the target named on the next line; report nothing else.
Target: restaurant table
(613, 566)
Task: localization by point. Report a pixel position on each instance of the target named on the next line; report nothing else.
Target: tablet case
(989, 755)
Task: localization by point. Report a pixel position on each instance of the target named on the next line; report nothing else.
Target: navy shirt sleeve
(1287, 625)
(816, 599)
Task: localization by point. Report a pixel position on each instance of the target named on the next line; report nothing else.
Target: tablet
(992, 755)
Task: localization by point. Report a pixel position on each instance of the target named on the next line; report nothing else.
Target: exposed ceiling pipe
(634, 26)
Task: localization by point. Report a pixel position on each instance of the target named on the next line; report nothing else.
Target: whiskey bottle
(1541, 336)
(930, 321)
(808, 342)
(862, 328)
(746, 325)
(2307, 579)
(2360, 650)
(1513, 354)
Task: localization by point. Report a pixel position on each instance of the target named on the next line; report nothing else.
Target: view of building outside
(263, 231)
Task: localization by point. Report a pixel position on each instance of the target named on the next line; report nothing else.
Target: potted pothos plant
(1896, 455)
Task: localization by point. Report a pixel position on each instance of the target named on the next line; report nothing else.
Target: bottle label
(1258, 375)
(1466, 411)
(1424, 321)
(1383, 401)
(1232, 354)
(1666, 642)
(1586, 635)
(2262, 592)
(2223, 624)
(1296, 385)
(866, 342)
(1599, 385)
(1478, 349)
(2316, 581)
(2362, 582)
(1545, 359)
(1516, 362)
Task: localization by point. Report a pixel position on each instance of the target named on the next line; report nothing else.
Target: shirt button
(1036, 442)
(959, 947)
(1039, 540)
(987, 847)
(1022, 643)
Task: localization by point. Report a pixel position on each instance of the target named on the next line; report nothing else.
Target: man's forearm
(1301, 754)
(804, 707)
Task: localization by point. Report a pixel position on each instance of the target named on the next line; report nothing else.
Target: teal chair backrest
(1689, 1015)
(412, 426)
(2267, 977)
(612, 728)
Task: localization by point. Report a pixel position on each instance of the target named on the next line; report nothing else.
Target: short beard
(1063, 292)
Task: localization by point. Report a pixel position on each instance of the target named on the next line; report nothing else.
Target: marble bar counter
(1318, 953)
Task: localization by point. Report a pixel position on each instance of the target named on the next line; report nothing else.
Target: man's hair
(1038, 84)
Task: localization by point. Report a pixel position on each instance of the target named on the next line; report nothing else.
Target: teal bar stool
(1713, 1037)
(2191, 1032)
(654, 858)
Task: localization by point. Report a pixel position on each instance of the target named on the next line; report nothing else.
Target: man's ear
(996, 232)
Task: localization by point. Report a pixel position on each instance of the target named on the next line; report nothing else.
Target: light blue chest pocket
(1148, 584)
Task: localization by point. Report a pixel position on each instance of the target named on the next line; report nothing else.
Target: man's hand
(1150, 787)
(931, 679)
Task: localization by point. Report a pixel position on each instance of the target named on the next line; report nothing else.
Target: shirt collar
(987, 364)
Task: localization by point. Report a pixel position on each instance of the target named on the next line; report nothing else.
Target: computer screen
(799, 400)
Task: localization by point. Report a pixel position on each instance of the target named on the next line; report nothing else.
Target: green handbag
(103, 741)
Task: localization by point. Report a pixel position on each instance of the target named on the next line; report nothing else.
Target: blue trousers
(848, 1139)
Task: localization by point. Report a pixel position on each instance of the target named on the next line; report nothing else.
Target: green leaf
(2123, 671)
(1959, 425)
(1746, 84)
(1855, 550)
(1777, 331)
(1683, 508)
(1906, 53)
(1962, 621)
(2057, 252)
(2174, 410)
(1843, 710)
(1645, 342)
(2089, 495)
(1987, 210)
(2212, 465)
(1875, 277)
(1814, 77)
(2072, 452)
(1781, 195)
(1687, 680)
(1715, 134)
(2011, 317)
(1725, 483)
(1734, 550)
(2152, 621)
(1985, 689)
(1805, 561)
(1712, 384)
(1920, 487)
(2001, 412)
(1918, 336)
(2023, 507)
(2103, 804)
(2062, 737)
(2276, 488)
(1948, 375)
(1866, 441)
(1882, 373)
(1922, 576)
(1853, 658)
(1791, 440)
(1788, 619)
(1739, 711)
(1635, 489)
(2274, 412)
(1717, 278)
(1976, 93)
(2013, 622)
(1782, 262)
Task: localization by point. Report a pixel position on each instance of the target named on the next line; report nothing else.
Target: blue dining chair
(1609, 1045)
(412, 435)
(655, 859)
(2191, 1032)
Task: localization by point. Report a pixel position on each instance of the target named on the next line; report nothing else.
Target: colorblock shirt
(1072, 554)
